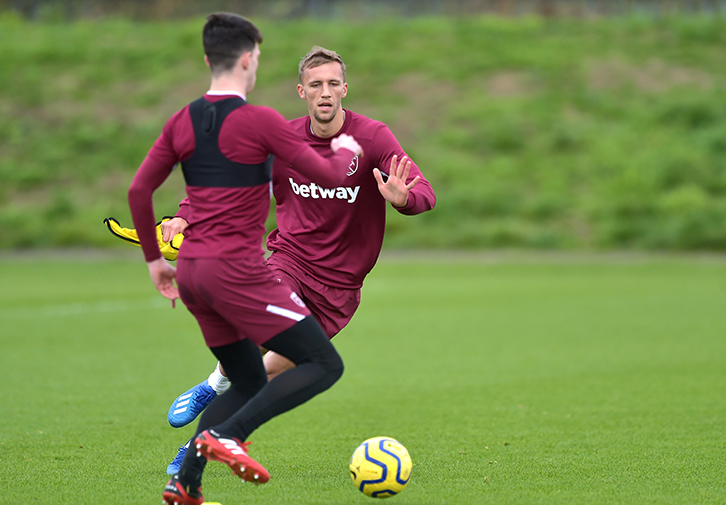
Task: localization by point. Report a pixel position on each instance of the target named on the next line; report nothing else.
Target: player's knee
(329, 360)
(323, 354)
(337, 372)
(334, 363)
(306, 342)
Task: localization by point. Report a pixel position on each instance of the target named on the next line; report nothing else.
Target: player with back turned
(328, 237)
(224, 145)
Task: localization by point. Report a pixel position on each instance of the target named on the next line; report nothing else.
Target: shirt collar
(224, 93)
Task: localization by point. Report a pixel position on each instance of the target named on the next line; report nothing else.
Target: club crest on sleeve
(353, 167)
(295, 298)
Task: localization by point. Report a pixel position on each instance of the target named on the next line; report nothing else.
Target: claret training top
(334, 232)
(228, 221)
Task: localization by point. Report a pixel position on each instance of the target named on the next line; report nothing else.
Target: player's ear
(301, 91)
(206, 60)
(246, 60)
(345, 90)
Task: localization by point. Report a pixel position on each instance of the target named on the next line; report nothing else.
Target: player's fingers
(171, 293)
(406, 169)
(403, 168)
(413, 182)
(168, 230)
(393, 165)
(396, 166)
(377, 175)
(171, 231)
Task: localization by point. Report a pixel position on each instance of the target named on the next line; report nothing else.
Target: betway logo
(312, 190)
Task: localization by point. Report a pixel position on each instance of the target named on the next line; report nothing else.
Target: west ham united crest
(353, 167)
(295, 298)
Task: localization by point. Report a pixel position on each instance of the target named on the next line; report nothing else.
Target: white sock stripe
(285, 313)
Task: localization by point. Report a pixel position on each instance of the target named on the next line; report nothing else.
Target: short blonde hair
(319, 56)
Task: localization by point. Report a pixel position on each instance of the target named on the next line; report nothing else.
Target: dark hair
(226, 37)
(319, 56)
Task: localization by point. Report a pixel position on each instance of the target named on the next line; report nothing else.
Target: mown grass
(511, 379)
(549, 134)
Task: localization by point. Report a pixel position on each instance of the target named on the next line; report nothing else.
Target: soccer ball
(380, 467)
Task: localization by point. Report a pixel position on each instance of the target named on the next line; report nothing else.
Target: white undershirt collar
(223, 93)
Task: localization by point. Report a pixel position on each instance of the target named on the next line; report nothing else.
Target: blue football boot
(175, 465)
(188, 406)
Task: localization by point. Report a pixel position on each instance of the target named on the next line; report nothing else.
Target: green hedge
(554, 134)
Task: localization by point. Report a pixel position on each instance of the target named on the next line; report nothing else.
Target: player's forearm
(328, 172)
(149, 177)
(142, 214)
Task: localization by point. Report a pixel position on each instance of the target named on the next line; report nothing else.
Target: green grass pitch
(511, 379)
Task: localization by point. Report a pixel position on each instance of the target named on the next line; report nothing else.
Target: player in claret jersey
(328, 236)
(223, 145)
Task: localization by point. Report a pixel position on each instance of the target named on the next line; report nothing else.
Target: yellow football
(380, 467)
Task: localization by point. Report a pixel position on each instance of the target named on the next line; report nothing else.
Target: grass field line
(82, 308)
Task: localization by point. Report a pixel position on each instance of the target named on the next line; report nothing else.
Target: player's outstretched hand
(345, 141)
(395, 189)
(163, 276)
(170, 228)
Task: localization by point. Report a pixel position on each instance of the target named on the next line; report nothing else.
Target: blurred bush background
(542, 124)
